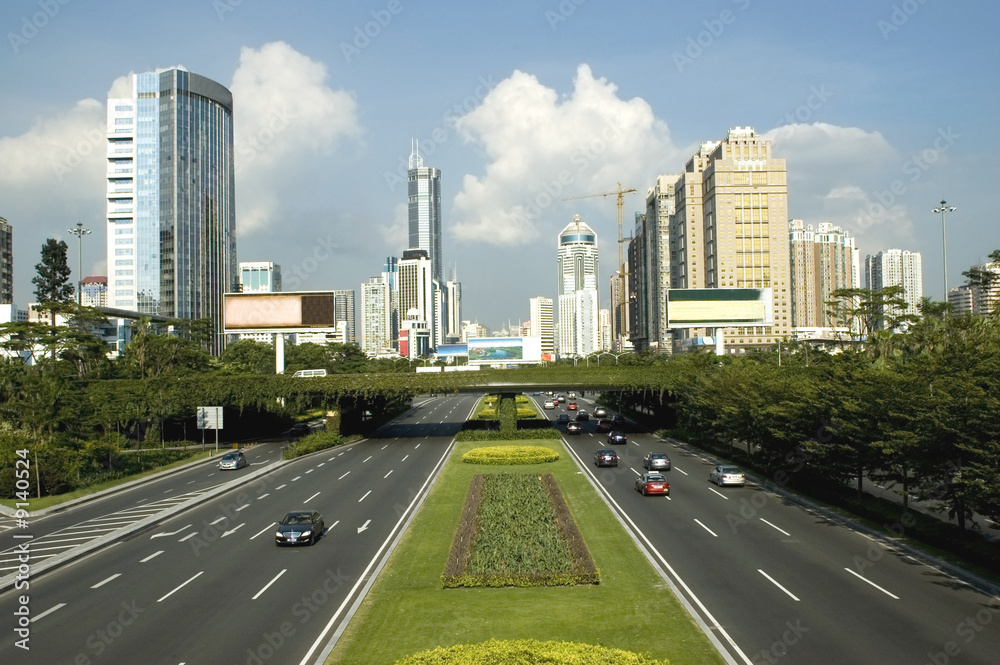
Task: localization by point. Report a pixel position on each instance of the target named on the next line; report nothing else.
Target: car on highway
(605, 425)
(572, 395)
(600, 412)
(727, 474)
(652, 482)
(574, 428)
(234, 459)
(549, 404)
(571, 406)
(582, 415)
(299, 527)
(606, 457)
(617, 437)
(300, 429)
(618, 420)
(563, 418)
(656, 462)
(561, 399)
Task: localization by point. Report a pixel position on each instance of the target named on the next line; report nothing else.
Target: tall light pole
(944, 209)
(79, 232)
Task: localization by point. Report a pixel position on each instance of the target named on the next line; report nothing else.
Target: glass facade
(424, 211)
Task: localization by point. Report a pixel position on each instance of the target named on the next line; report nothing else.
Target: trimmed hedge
(527, 652)
(318, 441)
(510, 455)
(516, 435)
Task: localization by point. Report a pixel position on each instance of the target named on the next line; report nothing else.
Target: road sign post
(210, 417)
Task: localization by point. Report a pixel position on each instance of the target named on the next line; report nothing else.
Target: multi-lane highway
(777, 582)
(772, 581)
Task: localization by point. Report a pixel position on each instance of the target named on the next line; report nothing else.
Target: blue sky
(881, 109)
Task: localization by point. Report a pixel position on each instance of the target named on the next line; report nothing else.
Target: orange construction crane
(620, 193)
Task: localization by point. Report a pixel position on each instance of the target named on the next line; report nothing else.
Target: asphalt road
(777, 582)
(210, 586)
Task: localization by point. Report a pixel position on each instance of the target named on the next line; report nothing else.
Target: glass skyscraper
(577, 289)
(171, 197)
(424, 211)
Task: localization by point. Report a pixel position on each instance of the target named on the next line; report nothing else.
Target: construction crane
(620, 193)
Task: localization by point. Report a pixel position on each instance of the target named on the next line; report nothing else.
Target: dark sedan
(299, 527)
(606, 457)
(617, 437)
(605, 425)
(563, 418)
(582, 415)
(574, 428)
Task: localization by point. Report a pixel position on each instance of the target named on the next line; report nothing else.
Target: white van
(309, 372)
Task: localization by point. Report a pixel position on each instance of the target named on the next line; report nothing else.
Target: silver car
(727, 474)
(233, 460)
(656, 462)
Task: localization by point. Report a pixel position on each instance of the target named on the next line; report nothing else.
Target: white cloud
(287, 120)
(541, 148)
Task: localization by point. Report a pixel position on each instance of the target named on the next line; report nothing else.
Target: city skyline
(877, 117)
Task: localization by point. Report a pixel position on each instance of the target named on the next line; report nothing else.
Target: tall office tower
(454, 302)
(440, 323)
(577, 289)
(961, 300)
(94, 291)
(540, 313)
(259, 277)
(170, 193)
(389, 274)
(731, 229)
(415, 288)
(424, 210)
(897, 267)
(822, 261)
(343, 312)
(649, 267)
(6, 262)
(376, 316)
(605, 338)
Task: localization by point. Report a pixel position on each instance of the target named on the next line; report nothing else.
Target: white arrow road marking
(364, 526)
(169, 533)
(233, 530)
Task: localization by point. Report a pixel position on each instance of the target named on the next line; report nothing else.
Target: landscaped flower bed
(527, 652)
(510, 455)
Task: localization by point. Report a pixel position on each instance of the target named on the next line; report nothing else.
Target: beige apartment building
(823, 259)
(730, 230)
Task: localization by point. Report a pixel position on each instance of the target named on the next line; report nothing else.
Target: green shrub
(510, 455)
(527, 652)
(317, 441)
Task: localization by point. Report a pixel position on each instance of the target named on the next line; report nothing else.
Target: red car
(571, 406)
(652, 483)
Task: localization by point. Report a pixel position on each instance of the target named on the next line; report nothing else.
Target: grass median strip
(407, 610)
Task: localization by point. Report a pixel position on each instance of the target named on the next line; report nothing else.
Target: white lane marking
(283, 571)
(221, 519)
(180, 587)
(233, 530)
(344, 476)
(269, 526)
(404, 458)
(365, 496)
(384, 447)
(188, 537)
(312, 497)
(190, 482)
(296, 478)
(151, 556)
(47, 612)
(320, 464)
(330, 528)
(712, 489)
(330, 459)
(891, 595)
(242, 507)
(279, 487)
(210, 475)
(168, 491)
(416, 446)
(387, 475)
(263, 495)
(775, 583)
(105, 581)
(681, 470)
(310, 470)
(706, 528)
(366, 459)
(775, 527)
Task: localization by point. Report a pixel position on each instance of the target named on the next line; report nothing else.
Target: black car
(299, 527)
(582, 415)
(606, 457)
(618, 420)
(605, 425)
(617, 437)
(300, 429)
(574, 428)
(563, 418)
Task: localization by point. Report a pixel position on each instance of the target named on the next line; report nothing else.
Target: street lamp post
(944, 209)
(79, 232)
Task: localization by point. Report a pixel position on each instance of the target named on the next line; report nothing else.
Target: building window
(123, 252)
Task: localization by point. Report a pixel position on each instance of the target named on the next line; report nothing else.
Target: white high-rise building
(170, 191)
(823, 260)
(453, 301)
(376, 316)
(259, 277)
(577, 262)
(343, 313)
(415, 290)
(424, 211)
(541, 325)
(472, 329)
(897, 267)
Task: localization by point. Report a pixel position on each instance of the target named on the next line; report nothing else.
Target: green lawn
(407, 610)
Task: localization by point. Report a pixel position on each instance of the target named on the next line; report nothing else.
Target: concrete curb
(132, 529)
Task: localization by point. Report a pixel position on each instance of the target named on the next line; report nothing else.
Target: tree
(52, 281)
(983, 278)
(249, 356)
(867, 310)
